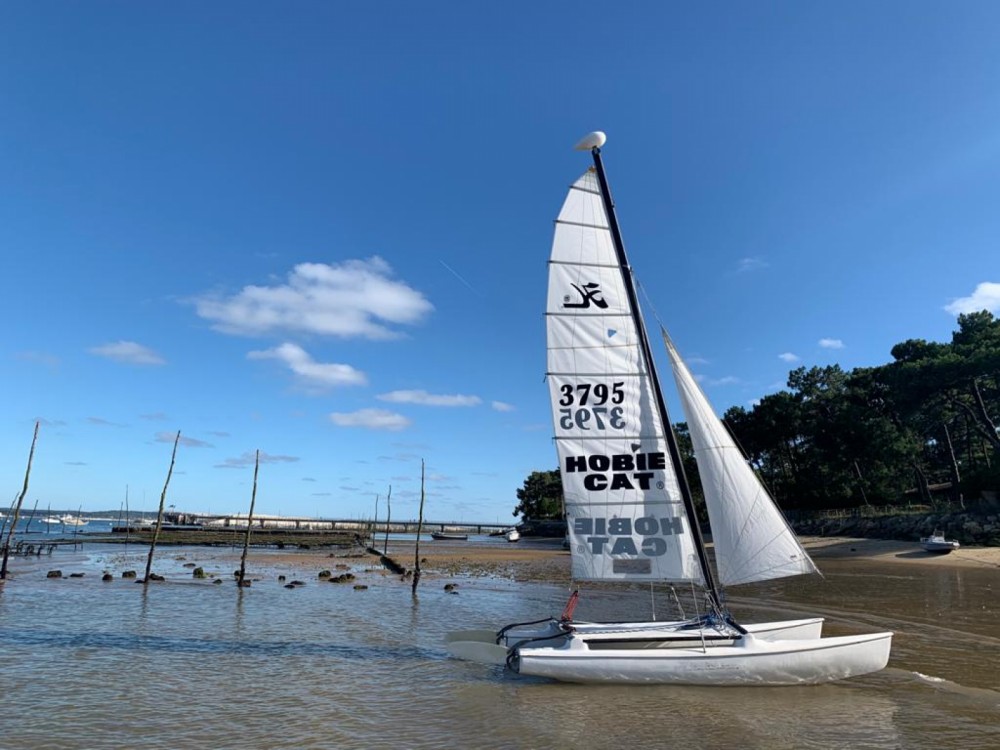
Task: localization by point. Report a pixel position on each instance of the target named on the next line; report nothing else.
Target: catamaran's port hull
(755, 662)
(786, 630)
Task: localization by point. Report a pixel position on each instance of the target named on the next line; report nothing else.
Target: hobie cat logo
(589, 293)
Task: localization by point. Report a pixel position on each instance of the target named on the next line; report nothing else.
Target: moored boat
(937, 543)
(448, 536)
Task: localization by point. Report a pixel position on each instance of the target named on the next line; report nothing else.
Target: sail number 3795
(592, 406)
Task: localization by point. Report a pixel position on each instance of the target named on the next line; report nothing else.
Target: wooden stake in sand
(420, 527)
(388, 516)
(159, 515)
(241, 580)
(17, 507)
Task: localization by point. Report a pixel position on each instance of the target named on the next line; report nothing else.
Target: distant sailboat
(629, 509)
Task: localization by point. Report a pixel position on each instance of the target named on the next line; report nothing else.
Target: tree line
(886, 435)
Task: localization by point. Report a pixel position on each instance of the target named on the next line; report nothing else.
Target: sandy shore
(904, 553)
(546, 561)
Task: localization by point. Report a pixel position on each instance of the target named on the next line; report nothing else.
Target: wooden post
(159, 514)
(240, 581)
(420, 527)
(375, 522)
(76, 529)
(31, 517)
(17, 507)
(388, 516)
(128, 522)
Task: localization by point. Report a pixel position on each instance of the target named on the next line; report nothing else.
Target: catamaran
(629, 507)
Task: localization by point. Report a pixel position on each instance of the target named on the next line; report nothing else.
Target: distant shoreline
(545, 561)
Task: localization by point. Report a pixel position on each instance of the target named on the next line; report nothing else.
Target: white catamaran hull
(787, 630)
(751, 662)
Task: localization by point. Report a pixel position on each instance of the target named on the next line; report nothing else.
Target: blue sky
(320, 229)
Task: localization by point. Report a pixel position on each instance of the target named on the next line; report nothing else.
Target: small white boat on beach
(937, 544)
(513, 535)
(69, 520)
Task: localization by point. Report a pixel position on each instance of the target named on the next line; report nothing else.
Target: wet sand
(546, 560)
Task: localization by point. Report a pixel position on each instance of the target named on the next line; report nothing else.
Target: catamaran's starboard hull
(786, 630)
(755, 662)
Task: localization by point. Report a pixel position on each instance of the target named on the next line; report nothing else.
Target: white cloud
(169, 437)
(249, 458)
(985, 297)
(428, 399)
(312, 374)
(372, 419)
(751, 264)
(102, 422)
(788, 357)
(831, 343)
(501, 406)
(128, 352)
(727, 380)
(353, 298)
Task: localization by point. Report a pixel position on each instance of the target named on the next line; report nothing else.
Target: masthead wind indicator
(591, 141)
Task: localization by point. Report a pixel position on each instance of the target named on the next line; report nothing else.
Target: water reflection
(190, 664)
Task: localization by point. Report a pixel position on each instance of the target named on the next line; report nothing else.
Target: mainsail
(752, 540)
(623, 503)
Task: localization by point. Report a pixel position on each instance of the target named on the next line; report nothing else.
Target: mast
(668, 430)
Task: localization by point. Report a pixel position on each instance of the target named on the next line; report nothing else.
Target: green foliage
(541, 496)
(869, 436)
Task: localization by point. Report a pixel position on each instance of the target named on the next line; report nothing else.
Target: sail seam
(582, 224)
(584, 190)
(582, 265)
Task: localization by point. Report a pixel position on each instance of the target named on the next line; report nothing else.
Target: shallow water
(187, 664)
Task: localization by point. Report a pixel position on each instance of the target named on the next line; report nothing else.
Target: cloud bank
(429, 399)
(985, 297)
(128, 352)
(356, 298)
(310, 373)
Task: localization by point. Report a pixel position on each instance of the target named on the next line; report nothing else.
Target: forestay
(623, 504)
(752, 540)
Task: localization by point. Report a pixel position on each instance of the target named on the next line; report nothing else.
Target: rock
(281, 578)
(199, 573)
(245, 583)
(128, 574)
(156, 577)
(360, 587)
(107, 577)
(77, 575)
(217, 580)
(297, 583)
(324, 574)
(188, 565)
(450, 586)
(54, 574)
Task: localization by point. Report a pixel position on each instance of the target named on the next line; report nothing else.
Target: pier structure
(279, 524)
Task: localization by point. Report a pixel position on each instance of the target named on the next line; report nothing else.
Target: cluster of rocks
(971, 529)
